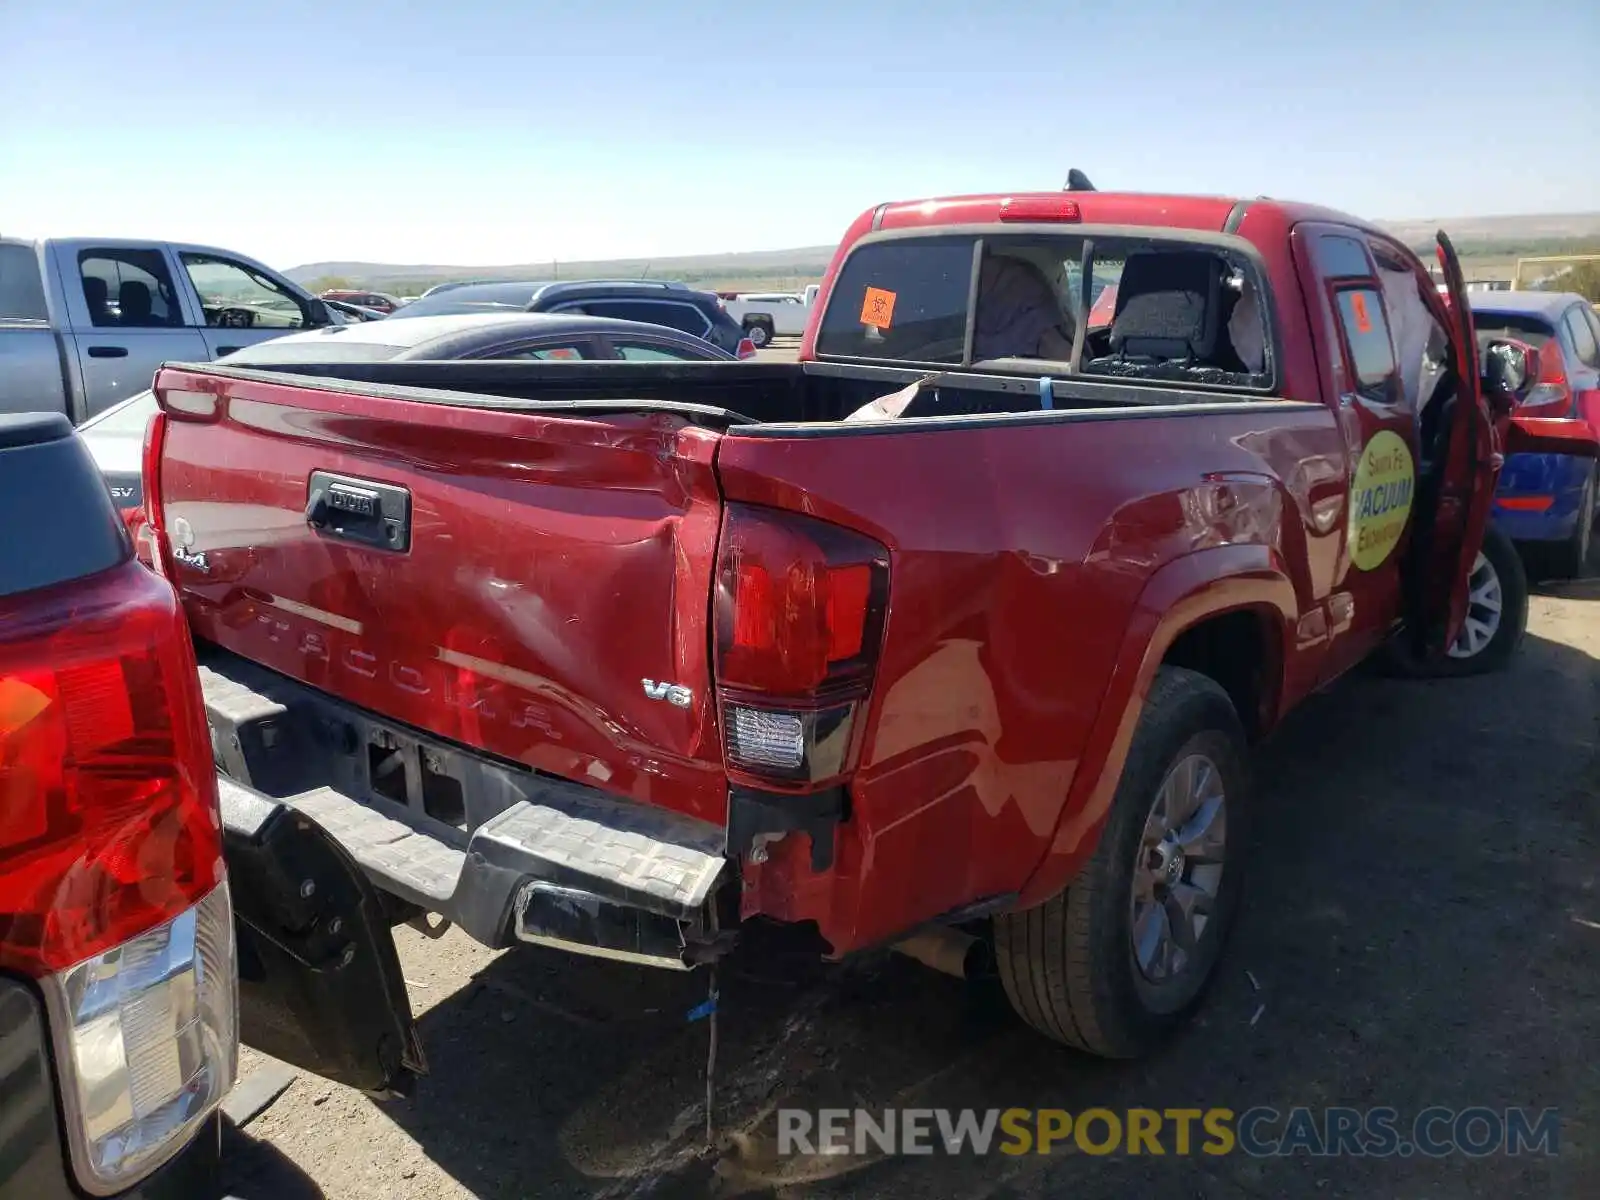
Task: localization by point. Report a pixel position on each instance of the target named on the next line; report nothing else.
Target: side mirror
(1509, 370)
(318, 313)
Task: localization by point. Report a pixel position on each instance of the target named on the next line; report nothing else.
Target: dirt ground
(1422, 926)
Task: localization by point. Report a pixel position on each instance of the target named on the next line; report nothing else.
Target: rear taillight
(800, 610)
(147, 1038)
(108, 802)
(149, 537)
(155, 435)
(747, 349)
(112, 889)
(1550, 396)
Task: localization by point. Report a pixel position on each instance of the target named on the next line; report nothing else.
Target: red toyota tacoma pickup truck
(966, 619)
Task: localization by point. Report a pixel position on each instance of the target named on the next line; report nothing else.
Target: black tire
(1496, 655)
(1572, 556)
(759, 332)
(1068, 966)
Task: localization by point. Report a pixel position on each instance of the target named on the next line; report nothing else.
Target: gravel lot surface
(1422, 927)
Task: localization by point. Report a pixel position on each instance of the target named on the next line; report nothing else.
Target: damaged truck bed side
(617, 657)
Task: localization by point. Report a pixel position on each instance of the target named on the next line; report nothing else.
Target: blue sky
(467, 131)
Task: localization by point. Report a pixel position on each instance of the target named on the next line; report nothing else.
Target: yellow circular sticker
(1380, 499)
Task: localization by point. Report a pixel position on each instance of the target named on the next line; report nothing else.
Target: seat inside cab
(1182, 313)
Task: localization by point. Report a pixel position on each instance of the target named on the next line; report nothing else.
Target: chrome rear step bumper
(568, 919)
(550, 862)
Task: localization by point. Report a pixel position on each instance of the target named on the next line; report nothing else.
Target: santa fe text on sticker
(1380, 499)
(877, 308)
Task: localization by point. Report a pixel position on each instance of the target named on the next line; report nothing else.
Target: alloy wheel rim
(1179, 869)
(1485, 604)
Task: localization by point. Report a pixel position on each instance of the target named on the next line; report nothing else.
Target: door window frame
(545, 341)
(1335, 284)
(183, 254)
(1592, 318)
(78, 304)
(646, 342)
(1576, 316)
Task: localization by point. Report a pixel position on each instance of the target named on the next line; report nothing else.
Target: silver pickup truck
(85, 322)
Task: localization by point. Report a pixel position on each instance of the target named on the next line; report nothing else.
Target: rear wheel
(759, 333)
(1573, 556)
(1119, 959)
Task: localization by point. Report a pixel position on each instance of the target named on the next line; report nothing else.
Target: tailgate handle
(359, 510)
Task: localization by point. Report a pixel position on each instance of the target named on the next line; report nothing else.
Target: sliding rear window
(1155, 308)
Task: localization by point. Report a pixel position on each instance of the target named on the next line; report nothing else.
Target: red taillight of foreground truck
(800, 606)
(112, 887)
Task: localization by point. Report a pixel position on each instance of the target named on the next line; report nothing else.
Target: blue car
(1547, 501)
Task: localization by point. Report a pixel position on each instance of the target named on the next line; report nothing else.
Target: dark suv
(674, 305)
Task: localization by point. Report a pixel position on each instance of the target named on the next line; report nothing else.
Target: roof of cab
(1105, 208)
(1544, 304)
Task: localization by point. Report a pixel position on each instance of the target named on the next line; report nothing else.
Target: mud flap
(319, 982)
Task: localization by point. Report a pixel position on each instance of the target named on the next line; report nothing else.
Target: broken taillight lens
(800, 610)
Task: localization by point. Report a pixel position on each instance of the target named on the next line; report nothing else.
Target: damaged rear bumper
(556, 864)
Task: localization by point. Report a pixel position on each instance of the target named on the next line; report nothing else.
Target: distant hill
(1505, 232)
(1486, 239)
(751, 270)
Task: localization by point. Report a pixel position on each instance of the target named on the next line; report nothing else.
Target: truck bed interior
(723, 395)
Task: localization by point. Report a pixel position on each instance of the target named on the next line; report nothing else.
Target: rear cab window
(1157, 308)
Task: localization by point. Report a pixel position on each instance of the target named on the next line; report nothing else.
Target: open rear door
(1458, 487)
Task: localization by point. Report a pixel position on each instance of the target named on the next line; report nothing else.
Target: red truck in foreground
(967, 619)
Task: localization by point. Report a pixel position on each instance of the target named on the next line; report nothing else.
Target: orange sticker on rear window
(1358, 305)
(877, 308)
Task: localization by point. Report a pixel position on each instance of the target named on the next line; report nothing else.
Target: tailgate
(534, 586)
